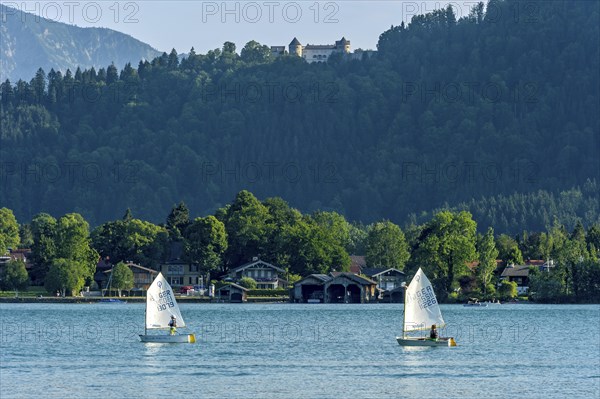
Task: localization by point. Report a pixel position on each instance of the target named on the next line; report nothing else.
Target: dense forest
(461, 262)
(496, 112)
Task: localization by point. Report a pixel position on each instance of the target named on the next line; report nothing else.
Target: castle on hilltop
(317, 52)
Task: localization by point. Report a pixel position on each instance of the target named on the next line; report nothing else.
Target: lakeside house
(100, 277)
(357, 263)
(179, 272)
(24, 255)
(142, 276)
(266, 275)
(387, 278)
(520, 273)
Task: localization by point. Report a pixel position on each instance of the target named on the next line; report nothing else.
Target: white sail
(421, 308)
(161, 305)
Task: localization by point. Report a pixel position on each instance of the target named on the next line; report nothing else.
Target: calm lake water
(298, 351)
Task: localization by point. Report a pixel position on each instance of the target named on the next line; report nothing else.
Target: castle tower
(295, 48)
(343, 45)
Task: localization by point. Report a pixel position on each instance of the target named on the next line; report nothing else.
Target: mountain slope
(28, 42)
(379, 138)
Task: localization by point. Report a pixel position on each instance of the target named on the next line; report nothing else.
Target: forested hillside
(500, 104)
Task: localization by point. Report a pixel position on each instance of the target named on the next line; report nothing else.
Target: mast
(109, 282)
(404, 315)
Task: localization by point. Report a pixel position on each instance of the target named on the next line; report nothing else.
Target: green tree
(228, 56)
(281, 216)
(569, 257)
(578, 232)
(206, 243)
(336, 225)
(255, 53)
(545, 286)
(131, 240)
(445, 246)
(26, 236)
(178, 221)
(247, 282)
(486, 248)
(593, 235)
(73, 243)
(311, 249)
(546, 246)
(386, 246)
(9, 230)
(293, 278)
(529, 244)
(247, 231)
(128, 216)
(38, 84)
(358, 239)
(173, 62)
(507, 290)
(14, 276)
(43, 250)
(112, 75)
(508, 250)
(588, 281)
(228, 48)
(122, 277)
(66, 276)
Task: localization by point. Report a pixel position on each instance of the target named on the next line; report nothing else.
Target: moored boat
(475, 302)
(111, 300)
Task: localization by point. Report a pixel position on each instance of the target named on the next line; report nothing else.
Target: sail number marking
(165, 300)
(424, 297)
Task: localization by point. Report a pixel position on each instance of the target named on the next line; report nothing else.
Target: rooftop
(375, 271)
(233, 285)
(516, 271)
(256, 262)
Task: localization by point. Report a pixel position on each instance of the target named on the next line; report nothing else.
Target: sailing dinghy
(421, 311)
(160, 306)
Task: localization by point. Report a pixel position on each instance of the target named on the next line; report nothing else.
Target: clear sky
(206, 25)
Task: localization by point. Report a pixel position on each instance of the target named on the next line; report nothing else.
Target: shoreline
(280, 300)
(79, 300)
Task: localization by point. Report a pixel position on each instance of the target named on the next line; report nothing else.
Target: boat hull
(169, 339)
(425, 341)
(111, 301)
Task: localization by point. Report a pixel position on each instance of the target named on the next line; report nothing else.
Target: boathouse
(349, 288)
(310, 289)
(232, 293)
(336, 288)
(395, 295)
